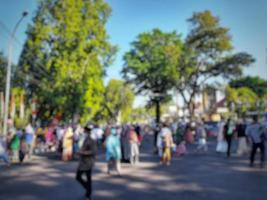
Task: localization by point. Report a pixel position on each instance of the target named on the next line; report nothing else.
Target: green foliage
(256, 84)
(151, 63)
(20, 123)
(119, 99)
(207, 54)
(65, 57)
(93, 99)
(243, 98)
(140, 115)
(256, 91)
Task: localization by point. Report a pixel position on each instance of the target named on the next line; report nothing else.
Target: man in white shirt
(97, 134)
(29, 130)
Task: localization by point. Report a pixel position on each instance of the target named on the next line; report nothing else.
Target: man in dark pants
(229, 129)
(86, 163)
(256, 134)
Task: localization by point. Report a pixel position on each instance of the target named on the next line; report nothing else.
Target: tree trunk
(191, 109)
(157, 112)
(157, 122)
(22, 107)
(2, 105)
(12, 107)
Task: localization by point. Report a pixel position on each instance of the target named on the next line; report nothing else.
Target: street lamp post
(8, 75)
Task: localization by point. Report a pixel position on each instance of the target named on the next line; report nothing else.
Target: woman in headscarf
(49, 138)
(167, 144)
(221, 143)
(134, 146)
(229, 130)
(67, 145)
(113, 151)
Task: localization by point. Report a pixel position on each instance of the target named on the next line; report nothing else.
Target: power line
(8, 32)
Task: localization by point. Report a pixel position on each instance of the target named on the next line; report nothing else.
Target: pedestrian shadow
(194, 176)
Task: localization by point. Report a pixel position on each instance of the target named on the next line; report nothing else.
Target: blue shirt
(255, 132)
(113, 148)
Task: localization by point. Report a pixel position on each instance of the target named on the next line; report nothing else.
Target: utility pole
(8, 75)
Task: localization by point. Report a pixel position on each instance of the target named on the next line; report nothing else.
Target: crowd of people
(122, 143)
(173, 139)
(251, 136)
(68, 140)
(17, 145)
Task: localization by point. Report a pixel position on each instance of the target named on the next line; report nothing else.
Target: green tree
(243, 99)
(151, 64)
(207, 53)
(65, 57)
(256, 84)
(143, 114)
(118, 101)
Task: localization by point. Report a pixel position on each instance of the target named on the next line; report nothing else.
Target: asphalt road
(196, 176)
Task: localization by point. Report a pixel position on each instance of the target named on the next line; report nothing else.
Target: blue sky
(245, 18)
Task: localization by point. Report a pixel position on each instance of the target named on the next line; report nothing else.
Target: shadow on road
(196, 176)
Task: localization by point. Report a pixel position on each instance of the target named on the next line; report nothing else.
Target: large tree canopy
(65, 56)
(151, 64)
(207, 53)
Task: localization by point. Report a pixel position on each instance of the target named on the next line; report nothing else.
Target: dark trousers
(229, 143)
(155, 138)
(21, 156)
(87, 184)
(255, 146)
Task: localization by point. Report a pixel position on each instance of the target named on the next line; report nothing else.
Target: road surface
(196, 176)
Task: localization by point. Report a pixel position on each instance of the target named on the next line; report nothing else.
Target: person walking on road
(24, 148)
(167, 144)
(255, 132)
(87, 155)
(242, 139)
(189, 137)
(229, 130)
(202, 137)
(67, 145)
(29, 138)
(3, 152)
(134, 146)
(15, 147)
(221, 143)
(113, 151)
(125, 146)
